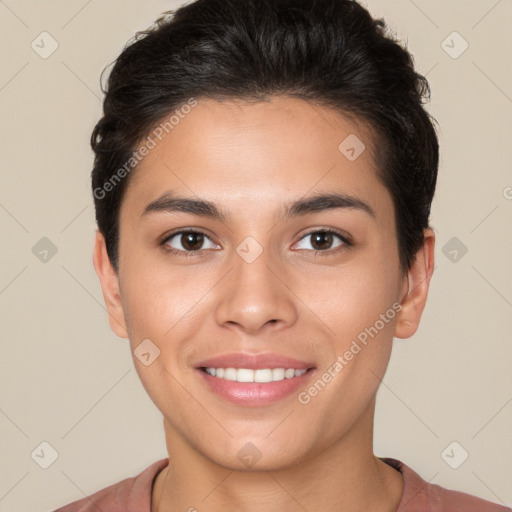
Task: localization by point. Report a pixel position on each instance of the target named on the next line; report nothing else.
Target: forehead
(251, 156)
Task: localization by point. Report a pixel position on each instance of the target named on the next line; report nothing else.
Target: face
(265, 268)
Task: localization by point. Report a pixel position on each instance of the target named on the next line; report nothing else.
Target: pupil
(189, 241)
(323, 239)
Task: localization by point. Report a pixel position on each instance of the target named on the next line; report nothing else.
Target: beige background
(67, 380)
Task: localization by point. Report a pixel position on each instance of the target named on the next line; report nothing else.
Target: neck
(345, 476)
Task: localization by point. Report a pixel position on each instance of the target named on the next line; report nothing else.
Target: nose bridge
(253, 294)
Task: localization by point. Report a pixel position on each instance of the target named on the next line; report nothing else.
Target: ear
(109, 281)
(415, 290)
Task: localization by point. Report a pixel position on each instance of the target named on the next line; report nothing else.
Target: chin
(252, 454)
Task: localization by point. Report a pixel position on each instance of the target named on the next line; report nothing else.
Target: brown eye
(188, 241)
(192, 241)
(322, 240)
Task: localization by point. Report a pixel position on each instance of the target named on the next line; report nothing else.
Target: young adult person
(263, 180)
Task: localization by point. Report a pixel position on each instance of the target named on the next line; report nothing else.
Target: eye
(322, 240)
(187, 242)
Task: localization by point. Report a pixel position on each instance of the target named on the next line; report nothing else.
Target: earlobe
(109, 281)
(418, 281)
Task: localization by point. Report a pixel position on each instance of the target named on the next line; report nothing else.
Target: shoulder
(129, 495)
(421, 496)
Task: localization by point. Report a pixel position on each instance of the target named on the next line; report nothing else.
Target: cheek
(356, 303)
(352, 298)
(155, 295)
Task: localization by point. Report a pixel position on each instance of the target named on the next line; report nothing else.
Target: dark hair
(331, 52)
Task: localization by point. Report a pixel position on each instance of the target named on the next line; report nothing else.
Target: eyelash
(347, 242)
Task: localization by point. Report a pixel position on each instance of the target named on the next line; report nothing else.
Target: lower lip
(254, 394)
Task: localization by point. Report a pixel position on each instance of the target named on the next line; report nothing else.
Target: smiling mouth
(261, 375)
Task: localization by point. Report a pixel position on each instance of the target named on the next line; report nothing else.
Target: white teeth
(260, 375)
(244, 375)
(278, 373)
(289, 373)
(264, 375)
(230, 374)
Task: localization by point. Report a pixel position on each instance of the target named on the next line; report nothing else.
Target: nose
(256, 296)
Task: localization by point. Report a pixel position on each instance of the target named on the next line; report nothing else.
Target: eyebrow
(320, 202)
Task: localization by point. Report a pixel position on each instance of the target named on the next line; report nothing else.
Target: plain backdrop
(66, 380)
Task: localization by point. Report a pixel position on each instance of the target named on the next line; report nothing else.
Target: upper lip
(254, 361)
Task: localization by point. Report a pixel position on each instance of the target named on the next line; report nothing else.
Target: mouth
(260, 375)
(254, 380)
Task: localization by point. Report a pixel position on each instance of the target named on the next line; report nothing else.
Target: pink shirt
(134, 495)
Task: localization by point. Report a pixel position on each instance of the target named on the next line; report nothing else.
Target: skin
(250, 159)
